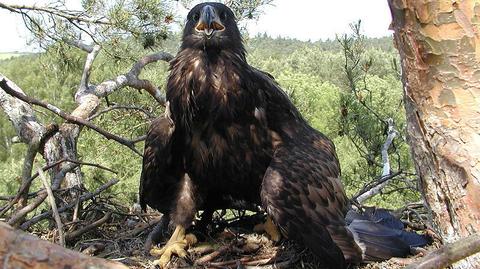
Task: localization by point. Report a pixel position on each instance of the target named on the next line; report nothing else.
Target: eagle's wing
(302, 193)
(159, 178)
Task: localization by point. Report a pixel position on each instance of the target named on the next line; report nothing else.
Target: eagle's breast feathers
(232, 138)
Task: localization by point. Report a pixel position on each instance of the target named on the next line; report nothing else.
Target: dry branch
(91, 226)
(88, 67)
(212, 256)
(386, 171)
(68, 117)
(53, 205)
(20, 214)
(449, 254)
(20, 250)
(117, 107)
(82, 198)
(135, 82)
(20, 114)
(131, 79)
(140, 228)
(375, 183)
(24, 187)
(70, 15)
(27, 169)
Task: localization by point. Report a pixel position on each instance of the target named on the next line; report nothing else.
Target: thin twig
(57, 181)
(116, 107)
(82, 198)
(92, 164)
(212, 256)
(66, 14)
(24, 187)
(70, 236)
(53, 205)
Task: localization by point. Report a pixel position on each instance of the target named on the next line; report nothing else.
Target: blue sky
(301, 19)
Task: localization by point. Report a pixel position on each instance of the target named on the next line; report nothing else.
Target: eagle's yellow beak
(209, 22)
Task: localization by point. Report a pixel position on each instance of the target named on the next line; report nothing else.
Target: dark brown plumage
(231, 138)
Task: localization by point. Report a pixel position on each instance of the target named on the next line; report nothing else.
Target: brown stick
(23, 188)
(21, 251)
(82, 198)
(20, 214)
(70, 236)
(141, 227)
(250, 260)
(118, 107)
(135, 82)
(51, 200)
(449, 254)
(278, 265)
(212, 256)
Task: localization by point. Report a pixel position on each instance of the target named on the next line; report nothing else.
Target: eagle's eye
(196, 16)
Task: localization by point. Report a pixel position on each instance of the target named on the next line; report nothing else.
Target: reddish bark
(439, 45)
(20, 250)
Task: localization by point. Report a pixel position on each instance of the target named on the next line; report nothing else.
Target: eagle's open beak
(209, 22)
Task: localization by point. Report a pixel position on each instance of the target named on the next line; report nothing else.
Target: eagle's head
(211, 26)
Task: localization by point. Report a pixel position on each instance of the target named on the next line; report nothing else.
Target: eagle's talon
(175, 245)
(269, 228)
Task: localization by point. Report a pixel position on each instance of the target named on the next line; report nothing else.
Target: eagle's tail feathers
(381, 239)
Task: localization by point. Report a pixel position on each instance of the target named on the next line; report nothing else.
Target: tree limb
(57, 180)
(88, 67)
(71, 235)
(449, 254)
(53, 205)
(68, 117)
(379, 181)
(66, 14)
(82, 198)
(22, 251)
(135, 82)
(20, 114)
(131, 79)
(392, 133)
(117, 107)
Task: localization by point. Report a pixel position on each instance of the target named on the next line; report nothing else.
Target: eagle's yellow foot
(270, 228)
(177, 244)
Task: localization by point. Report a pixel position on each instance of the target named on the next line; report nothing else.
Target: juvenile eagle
(231, 138)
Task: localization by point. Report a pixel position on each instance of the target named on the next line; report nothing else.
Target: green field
(8, 55)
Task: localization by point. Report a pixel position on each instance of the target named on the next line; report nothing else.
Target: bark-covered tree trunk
(20, 250)
(439, 45)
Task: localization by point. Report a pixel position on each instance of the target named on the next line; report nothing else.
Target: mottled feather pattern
(231, 138)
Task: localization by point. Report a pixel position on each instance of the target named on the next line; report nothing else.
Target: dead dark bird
(231, 138)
